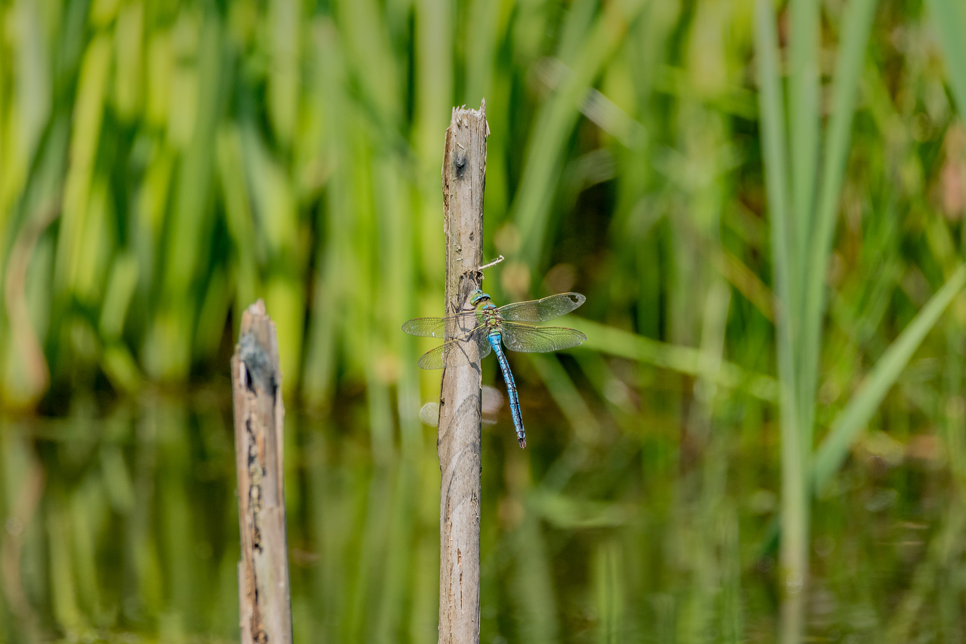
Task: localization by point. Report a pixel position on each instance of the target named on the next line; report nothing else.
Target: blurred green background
(763, 437)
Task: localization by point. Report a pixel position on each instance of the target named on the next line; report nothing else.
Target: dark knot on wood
(258, 364)
(460, 164)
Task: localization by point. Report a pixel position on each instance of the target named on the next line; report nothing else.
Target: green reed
(802, 242)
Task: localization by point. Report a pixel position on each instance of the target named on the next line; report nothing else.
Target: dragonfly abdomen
(511, 388)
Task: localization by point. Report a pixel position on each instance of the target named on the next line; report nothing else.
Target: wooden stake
(460, 415)
(263, 582)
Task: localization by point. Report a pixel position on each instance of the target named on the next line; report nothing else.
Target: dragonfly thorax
(486, 310)
(490, 316)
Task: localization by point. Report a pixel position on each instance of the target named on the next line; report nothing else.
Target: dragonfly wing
(542, 310)
(455, 352)
(425, 327)
(540, 339)
(436, 327)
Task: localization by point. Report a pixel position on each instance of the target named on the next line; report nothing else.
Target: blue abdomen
(511, 387)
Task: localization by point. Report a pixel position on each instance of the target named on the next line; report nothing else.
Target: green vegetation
(763, 436)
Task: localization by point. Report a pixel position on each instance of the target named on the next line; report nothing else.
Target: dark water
(122, 527)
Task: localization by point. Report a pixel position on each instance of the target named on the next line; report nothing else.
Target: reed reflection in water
(122, 527)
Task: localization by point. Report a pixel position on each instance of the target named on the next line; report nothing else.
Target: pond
(121, 526)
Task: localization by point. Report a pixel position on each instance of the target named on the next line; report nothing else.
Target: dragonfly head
(478, 296)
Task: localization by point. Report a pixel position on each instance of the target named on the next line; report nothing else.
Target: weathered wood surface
(263, 579)
(459, 439)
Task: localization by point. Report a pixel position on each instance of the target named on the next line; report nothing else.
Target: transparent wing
(473, 348)
(429, 414)
(542, 310)
(436, 327)
(540, 339)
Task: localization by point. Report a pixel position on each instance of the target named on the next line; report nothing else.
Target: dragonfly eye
(478, 296)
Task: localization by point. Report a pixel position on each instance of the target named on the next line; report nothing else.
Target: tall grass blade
(85, 135)
(167, 354)
(34, 96)
(853, 419)
(329, 293)
(177, 532)
(804, 121)
(398, 555)
(238, 216)
(949, 20)
(687, 360)
(794, 507)
(732, 600)
(63, 590)
(533, 590)
(775, 154)
(284, 18)
(567, 397)
(482, 42)
(857, 24)
(555, 122)
(609, 584)
(87, 510)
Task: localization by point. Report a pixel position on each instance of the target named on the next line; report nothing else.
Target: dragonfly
(470, 336)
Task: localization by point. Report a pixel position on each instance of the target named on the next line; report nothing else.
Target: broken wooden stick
(263, 580)
(459, 442)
